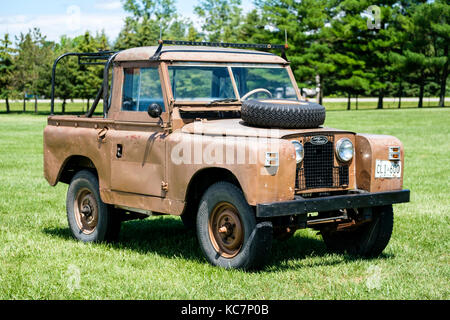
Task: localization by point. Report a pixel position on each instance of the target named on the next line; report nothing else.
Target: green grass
(156, 259)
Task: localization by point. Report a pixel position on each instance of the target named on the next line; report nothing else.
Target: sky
(73, 17)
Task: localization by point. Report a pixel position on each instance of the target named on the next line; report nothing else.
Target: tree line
(345, 47)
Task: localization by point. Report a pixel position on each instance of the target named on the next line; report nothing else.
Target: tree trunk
(444, 80)
(422, 86)
(63, 106)
(356, 102)
(7, 105)
(349, 101)
(35, 104)
(24, 105)
(321, 91)
(380, 100)
(400, 93)
(87, 106)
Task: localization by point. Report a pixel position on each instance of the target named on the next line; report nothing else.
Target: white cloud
(53, 26)
(108, 5)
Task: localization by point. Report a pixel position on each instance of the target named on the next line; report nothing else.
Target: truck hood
(237, 127)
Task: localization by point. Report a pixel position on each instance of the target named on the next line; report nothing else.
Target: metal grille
(318, 170)
(318, 165)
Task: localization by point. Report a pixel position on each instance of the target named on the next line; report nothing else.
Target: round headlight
(344, 150)
(299, 152)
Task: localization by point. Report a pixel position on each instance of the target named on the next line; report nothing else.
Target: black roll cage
(88, 58)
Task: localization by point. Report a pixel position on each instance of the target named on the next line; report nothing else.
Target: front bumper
(302, 206)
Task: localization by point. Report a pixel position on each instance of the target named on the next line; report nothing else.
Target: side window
(141, 88)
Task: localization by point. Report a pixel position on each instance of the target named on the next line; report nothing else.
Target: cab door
(138, 141)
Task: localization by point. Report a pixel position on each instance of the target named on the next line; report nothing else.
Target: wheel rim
(226, 230)
(86, 211)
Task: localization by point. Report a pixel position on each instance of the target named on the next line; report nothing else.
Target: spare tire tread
(291, 116)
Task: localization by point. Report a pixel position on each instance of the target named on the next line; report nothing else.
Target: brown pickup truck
(221, 137)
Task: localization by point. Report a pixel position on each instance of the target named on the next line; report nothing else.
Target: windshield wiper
(222, 100)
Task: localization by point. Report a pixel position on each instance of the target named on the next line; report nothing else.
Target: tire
(245, 244)
(99, 222)
(279, 115)
(369, 240)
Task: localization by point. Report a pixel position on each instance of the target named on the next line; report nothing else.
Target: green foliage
(330, 45)
(88, 78)
(151, 20)
(6, 68)
(428, 54)
(220, 19)
(31, 64)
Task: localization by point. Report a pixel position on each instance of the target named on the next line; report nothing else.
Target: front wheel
(227, 230)
(90, 219)
(368, 240)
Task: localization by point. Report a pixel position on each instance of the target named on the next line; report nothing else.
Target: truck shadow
(168, 237)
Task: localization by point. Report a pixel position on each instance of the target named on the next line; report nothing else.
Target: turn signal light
(394, 153)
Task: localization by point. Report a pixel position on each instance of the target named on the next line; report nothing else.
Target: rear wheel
(227, 230)
(369, 239)
(90, 219)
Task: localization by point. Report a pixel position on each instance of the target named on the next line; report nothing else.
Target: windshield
(211, 83)
(264, 82)
(201, 83)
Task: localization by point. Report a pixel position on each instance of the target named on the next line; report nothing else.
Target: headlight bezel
(299, 151)
(338, 150)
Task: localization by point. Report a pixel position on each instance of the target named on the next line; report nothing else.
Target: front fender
(244, 157)
(369, 149)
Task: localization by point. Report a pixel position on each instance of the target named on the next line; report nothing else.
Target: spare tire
(303, 114)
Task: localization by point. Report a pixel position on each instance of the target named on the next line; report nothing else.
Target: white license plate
(388, 169)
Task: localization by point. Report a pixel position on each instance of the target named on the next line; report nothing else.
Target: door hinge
(164, 186)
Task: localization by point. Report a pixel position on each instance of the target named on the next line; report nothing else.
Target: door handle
(119, 151)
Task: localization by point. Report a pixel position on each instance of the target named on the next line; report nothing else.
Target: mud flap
(259, 243)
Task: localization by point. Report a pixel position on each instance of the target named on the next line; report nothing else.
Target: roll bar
(88, 58)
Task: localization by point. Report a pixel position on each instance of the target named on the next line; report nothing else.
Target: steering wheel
(248, 94)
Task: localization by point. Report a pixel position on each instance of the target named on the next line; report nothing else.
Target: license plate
(388, 169)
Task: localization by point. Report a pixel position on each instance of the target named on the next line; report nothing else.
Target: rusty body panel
(65, 137)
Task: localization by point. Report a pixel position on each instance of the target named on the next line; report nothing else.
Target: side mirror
(154, 110)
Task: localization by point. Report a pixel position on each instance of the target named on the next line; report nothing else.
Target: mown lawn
(156, 259)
